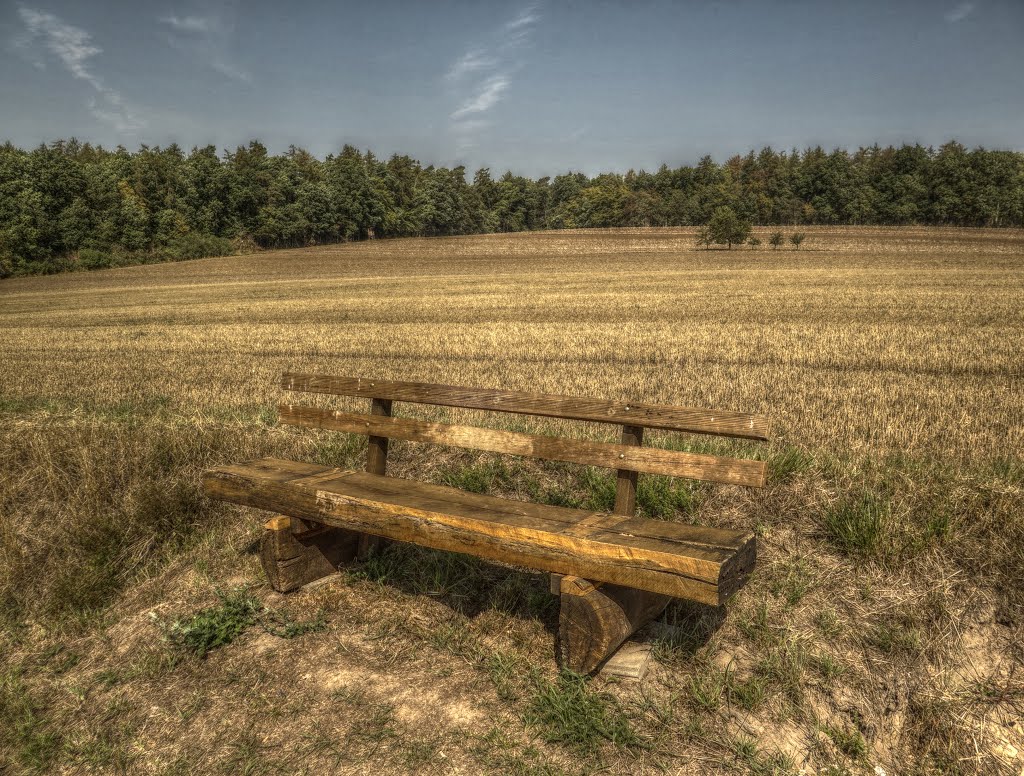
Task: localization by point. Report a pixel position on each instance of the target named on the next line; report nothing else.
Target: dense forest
(71, 205)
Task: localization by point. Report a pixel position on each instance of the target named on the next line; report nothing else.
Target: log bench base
(296, 552)
(594, 619)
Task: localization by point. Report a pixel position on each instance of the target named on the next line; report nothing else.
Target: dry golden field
(883, 628)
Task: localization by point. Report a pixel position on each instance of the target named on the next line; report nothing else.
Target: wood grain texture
(292, 559)
(625, 478)
(627, 457)
(707, 569)
(376, 463)
(595, 620)
(697, 421)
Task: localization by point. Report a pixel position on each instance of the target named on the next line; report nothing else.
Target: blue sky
(533, 87)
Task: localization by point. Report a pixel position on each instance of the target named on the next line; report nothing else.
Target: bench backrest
(629, 457)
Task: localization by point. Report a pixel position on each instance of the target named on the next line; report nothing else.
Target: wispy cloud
(481, 77)
(195, 24)
(74, 48)
(206, 38)
(486, 97)
(470, 62)
(960, 12)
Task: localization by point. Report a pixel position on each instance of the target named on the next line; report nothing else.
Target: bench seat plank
(653, 460)
(698, 421)
(702, 564)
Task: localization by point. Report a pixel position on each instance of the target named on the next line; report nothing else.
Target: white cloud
(482, 76)
(206, 38)
(196, 24)
(485, 98)
(471, 62)
(960, 13)
(526, 18)
(74, 48)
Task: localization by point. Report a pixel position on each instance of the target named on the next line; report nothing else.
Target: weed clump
(218, 625)
(858, 525)
(567, 710)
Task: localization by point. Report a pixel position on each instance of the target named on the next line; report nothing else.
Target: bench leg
(294, 552)
(595, 619)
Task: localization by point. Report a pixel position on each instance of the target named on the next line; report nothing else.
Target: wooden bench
(614, 572)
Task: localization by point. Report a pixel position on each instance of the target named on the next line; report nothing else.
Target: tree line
(70, 205)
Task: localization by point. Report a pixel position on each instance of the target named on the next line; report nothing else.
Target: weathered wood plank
(376, 463)
(627, 457)
(377, 446)
(492, 528)
(697, 421)
(625, 478)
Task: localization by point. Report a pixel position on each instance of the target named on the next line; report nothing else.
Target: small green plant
(478, 478)
(556, 497)
(828, 667)
(785, 464)
(506, 672)
(759, 764)
(749, 694)
(218, 625)
(284, 627)
(896, 636)
(849, 742)
(783, 667)
(757, 626)
(796, 238)
(754, 242)
(827, 622)
(707, 688)
(567, 710)
(775, 240)
(794, 584)
(858, 524)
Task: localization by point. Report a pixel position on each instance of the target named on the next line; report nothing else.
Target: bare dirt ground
(881, 631)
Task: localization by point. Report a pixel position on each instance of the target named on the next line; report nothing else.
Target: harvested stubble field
(883, 627)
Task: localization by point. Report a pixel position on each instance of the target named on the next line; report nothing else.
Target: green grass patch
(707, 688)
(667, 497)
(26, 735)
(896, 636)
(793, 583)
(284, 626)
(216, 626)
(784, 465)
(568, 711)
(859, 524)
(488, 476)
(848, 741)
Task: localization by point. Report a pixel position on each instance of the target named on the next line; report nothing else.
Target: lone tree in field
(728, 228)
(704, 238)
(775, 240)
(796, 239)
(754, 242)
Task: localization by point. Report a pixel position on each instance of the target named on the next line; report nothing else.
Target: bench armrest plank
(652, 460)
(697, 421)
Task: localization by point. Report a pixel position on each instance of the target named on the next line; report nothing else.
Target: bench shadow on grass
(470, 586)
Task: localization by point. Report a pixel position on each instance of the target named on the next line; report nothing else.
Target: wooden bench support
(293, 554)
(594, 620)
